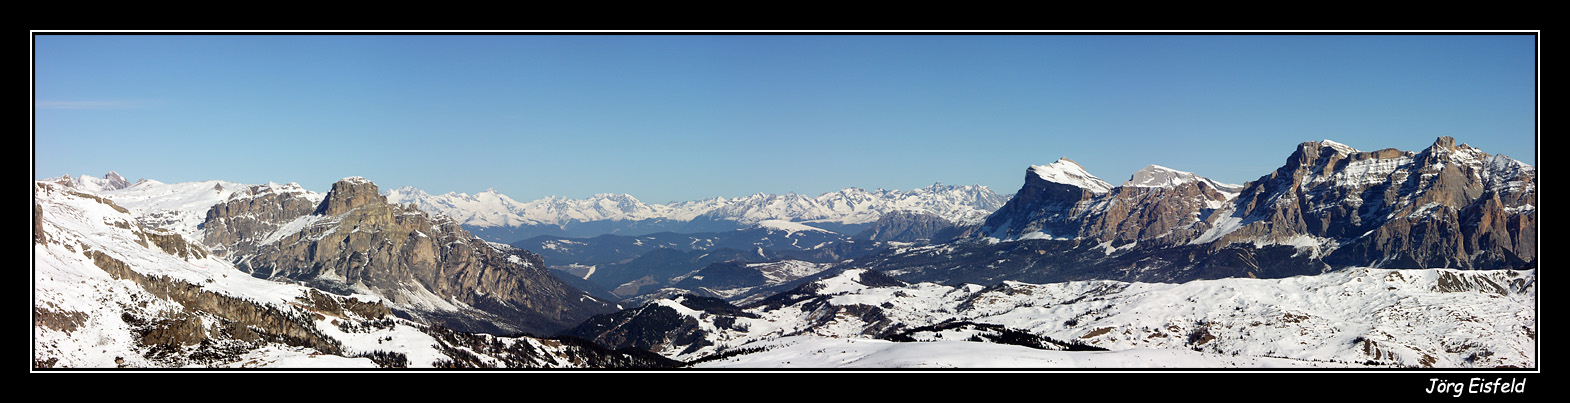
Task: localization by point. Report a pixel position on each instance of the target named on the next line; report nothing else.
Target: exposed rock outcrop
(237, 226)
(353, 241)
(1449, 205)
(1051, 204)
(1062, 201)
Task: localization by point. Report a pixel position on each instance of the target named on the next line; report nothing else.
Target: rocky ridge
(1446, 206)
(354, 241)
(1062, 201)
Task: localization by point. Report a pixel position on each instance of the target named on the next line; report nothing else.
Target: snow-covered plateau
(1364, 317)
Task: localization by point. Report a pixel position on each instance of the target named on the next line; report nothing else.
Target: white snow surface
(1349, 317)
(1068, 172)
(1341, 148)
(177, 207)
(833, 352)
(1160, 176)
(92, 184)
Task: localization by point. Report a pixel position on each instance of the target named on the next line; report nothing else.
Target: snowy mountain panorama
(1339, 258)
(499, 218)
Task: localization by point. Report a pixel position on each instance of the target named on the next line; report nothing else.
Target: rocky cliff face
(424, 266)
(1446, 206)
(1062, 201)
(1449, 206)
(1051, 204)
(240, 224)
(1158, 206)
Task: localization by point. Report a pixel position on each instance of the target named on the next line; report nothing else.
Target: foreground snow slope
(109, 292)
(1412, 318)
(826, 352)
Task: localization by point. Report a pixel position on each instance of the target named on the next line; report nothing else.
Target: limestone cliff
(354, 241)
(1157, 205)
(1448, 205)
(238, 225)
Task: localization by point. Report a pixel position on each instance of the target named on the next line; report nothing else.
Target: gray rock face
(905, 226)
(1448, 205)
(1052, 207)
(347, 194)
(1156, 204)
(236, 226)
(354, 241)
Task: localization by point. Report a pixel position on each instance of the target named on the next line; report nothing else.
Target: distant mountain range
(499, 218)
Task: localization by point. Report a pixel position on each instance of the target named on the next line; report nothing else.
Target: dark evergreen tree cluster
(993, 333)
(386, 359)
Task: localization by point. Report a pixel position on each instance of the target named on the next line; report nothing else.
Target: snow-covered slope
(177, 207)
(109, 292)
(1415, 318)
(832, 352)
(1068, 172)
(1160, 176)
(88, 183)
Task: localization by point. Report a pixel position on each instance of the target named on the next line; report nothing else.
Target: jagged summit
(111, 181)
(348, 193)
(1068, 172)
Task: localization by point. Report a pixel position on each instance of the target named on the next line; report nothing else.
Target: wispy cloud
(89, 104)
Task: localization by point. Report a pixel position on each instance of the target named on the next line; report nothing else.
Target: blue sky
(681, 117)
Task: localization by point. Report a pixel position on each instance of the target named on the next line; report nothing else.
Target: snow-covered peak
(404, 192)
(1342, 148)
(615, 197)
(1160, 176)
(1068, 172)
(91, 184)
(1508, 173)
